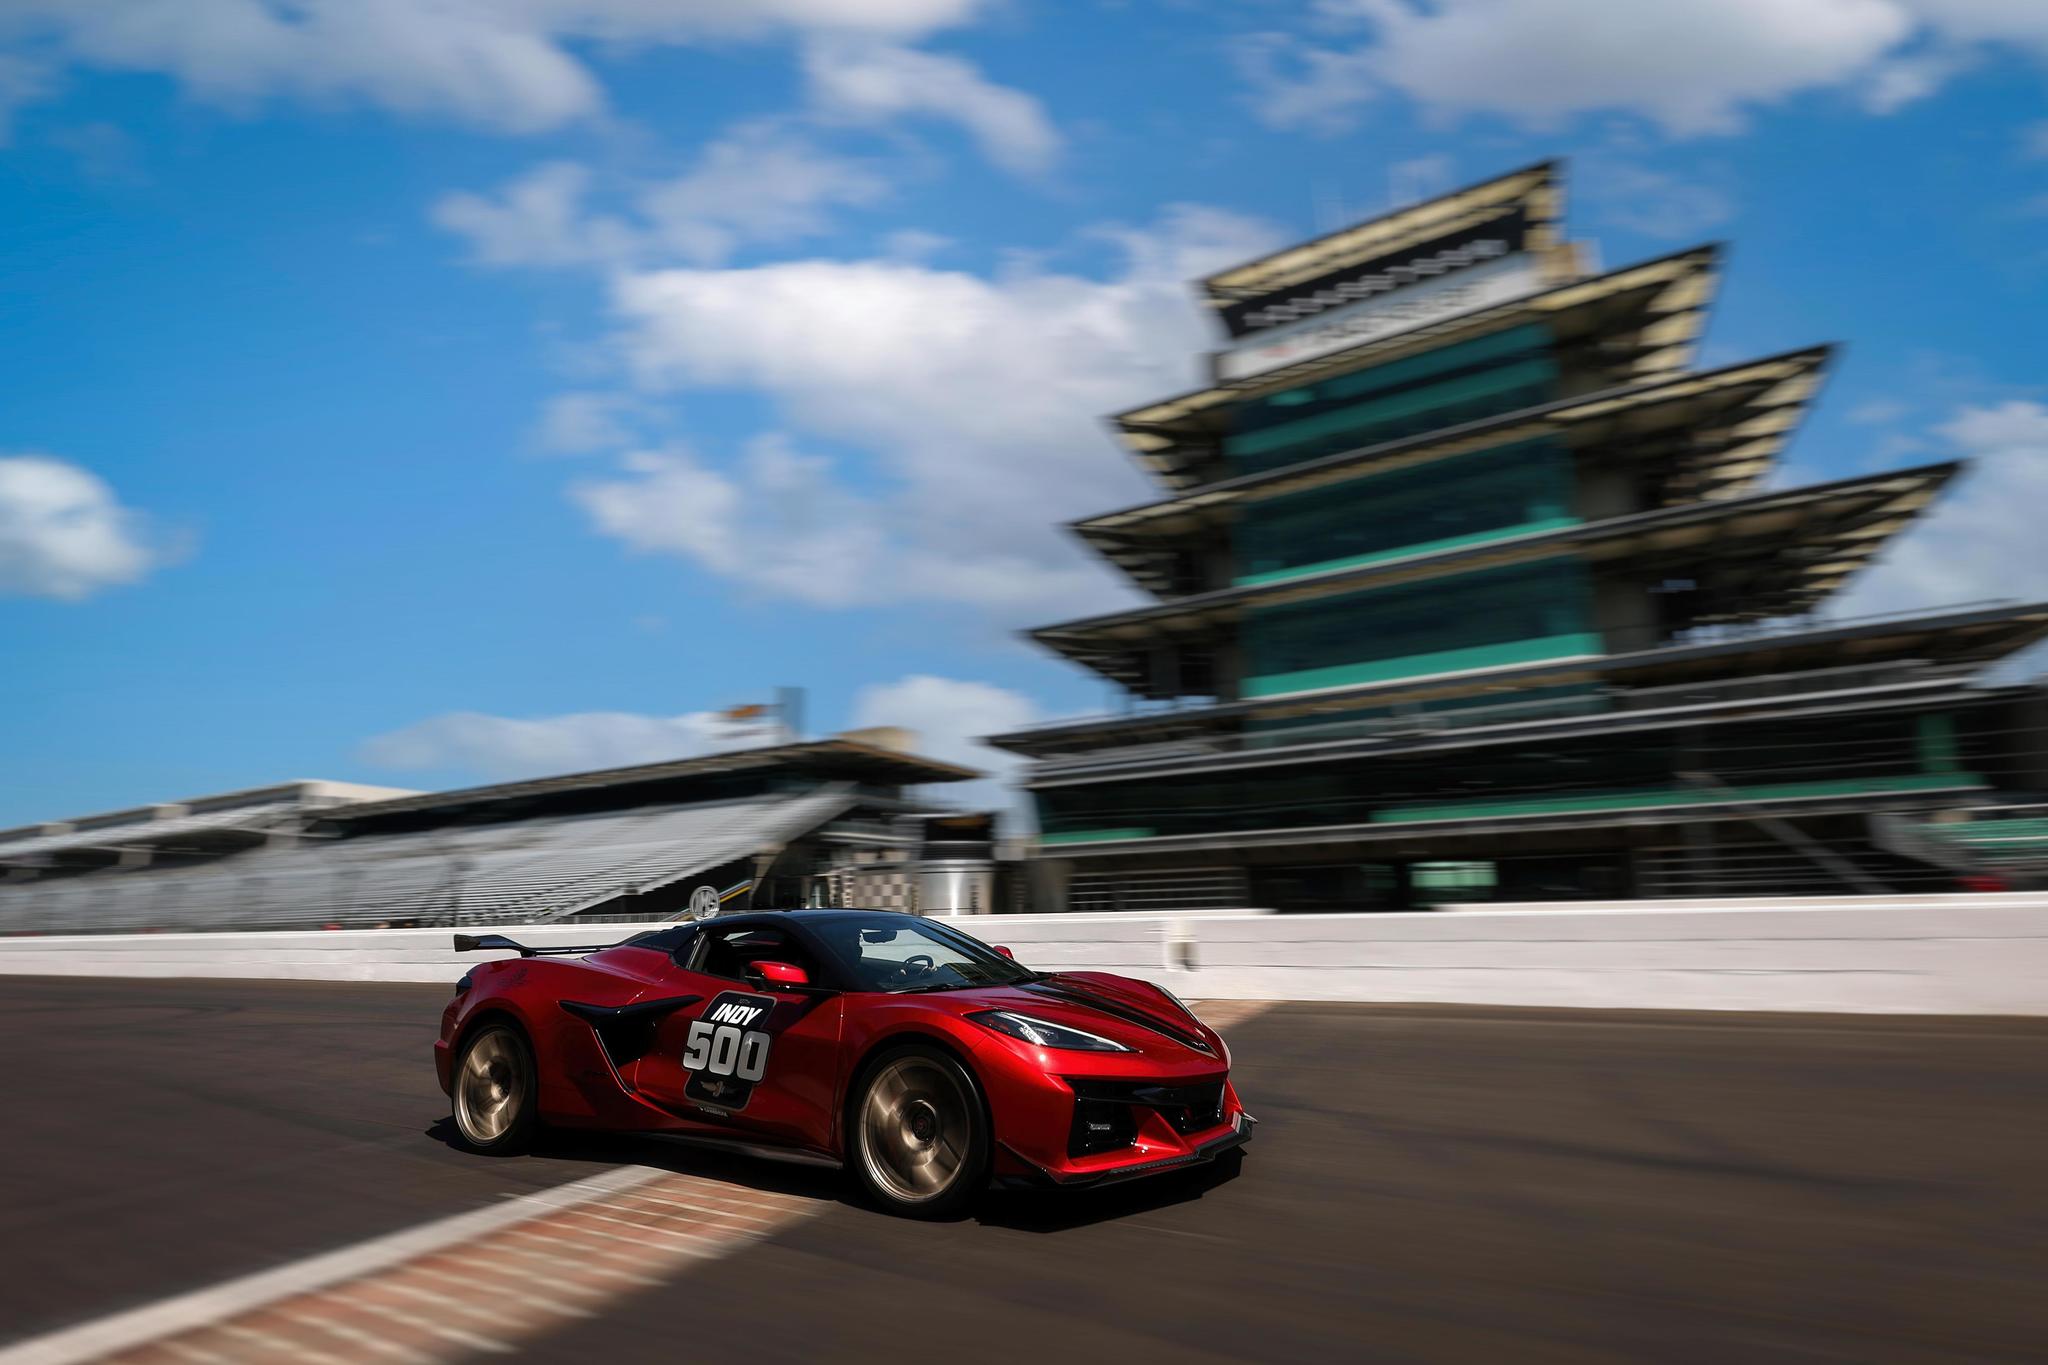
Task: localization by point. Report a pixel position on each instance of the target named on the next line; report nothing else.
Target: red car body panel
(821, 1039)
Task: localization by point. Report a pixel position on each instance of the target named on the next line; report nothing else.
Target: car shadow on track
(1066, 1210)
(626, 1149)
(1020, 1210)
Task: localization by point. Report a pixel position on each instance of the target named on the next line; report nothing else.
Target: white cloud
(582, 423)
(511, 65)
(1296, 84)
(64, 534)
(1653, 202)
(21, 82)
(1878, 412)
(1421, 177)
(1691, 66)
(1983, 540)
(760, 183)
(1893, 84)
(915, 245)
(2023, 22)
(950, 716)
(103, 152)
(465, 61)
(539, 219)
(778, 522)
(501, 748)
(871, 82)
(976, 401)
(783, 523)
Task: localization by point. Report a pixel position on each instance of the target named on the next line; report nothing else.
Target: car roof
(812, 915)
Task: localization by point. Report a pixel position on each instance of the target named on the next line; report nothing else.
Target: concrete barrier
(1945, 955)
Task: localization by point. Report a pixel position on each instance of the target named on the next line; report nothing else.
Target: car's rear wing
(473, 943)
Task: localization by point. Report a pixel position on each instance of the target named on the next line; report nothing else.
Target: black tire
(496, 1091)
(918, 1133)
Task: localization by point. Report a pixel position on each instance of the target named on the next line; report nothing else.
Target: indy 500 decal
(726, 1050)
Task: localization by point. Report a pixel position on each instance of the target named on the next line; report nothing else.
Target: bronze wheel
(495, 1090)
(921, 1144)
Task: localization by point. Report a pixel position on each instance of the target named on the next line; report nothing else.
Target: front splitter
(1240, 1133)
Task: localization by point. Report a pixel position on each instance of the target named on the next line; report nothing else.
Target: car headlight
(1039, 1033)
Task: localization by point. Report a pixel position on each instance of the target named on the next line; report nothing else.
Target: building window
(1521, 488)
(1476, 379)
(1843, 756)
(1443, 883)
(1476, 620)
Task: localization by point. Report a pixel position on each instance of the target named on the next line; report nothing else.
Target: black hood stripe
(1116, 1010)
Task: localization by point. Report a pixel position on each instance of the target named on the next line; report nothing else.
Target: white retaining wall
(1935, 954)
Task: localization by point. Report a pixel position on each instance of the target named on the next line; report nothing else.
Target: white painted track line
(168, 1317)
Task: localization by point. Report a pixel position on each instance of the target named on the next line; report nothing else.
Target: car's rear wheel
(496, 1089)
(920, 1134)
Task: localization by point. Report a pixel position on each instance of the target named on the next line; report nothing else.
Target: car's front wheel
(496, 1090)
(920, 1134)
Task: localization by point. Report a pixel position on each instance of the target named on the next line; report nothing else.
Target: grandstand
(826, 822)
(174, 832)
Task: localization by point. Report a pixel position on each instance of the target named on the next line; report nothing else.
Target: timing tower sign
(1476, 275)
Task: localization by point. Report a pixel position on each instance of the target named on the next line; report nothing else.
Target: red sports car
(926, 1061)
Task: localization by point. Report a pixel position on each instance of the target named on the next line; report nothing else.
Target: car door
(745, 1061)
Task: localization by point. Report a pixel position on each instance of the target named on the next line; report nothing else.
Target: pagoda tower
(1467, 584)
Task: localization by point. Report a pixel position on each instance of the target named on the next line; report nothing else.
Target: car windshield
(896, 952)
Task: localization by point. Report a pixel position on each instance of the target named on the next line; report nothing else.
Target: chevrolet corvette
(925, 1062)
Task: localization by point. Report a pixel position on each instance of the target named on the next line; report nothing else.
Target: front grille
(1106, 1112)
(1101, 1126)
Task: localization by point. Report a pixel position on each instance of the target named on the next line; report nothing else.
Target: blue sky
(433, 391)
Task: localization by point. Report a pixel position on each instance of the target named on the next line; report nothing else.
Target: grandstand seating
(523, 870)
(250, 818)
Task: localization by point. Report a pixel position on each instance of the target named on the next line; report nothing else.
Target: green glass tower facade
(1467, 584)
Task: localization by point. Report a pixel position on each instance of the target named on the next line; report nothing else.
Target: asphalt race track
(1429, 1184)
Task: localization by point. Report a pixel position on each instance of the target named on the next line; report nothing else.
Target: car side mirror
(776, 976)
(1006, 952)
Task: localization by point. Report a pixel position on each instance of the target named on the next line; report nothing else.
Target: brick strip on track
(1227, 1014)
(496, 1279)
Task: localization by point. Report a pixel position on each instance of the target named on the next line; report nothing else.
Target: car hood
(1130, 1012)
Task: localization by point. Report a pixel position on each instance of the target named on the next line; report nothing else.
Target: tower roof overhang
(1645, 319)
(1766, 555)
(1533, 197)
(1964, 636)
(1710, 435)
